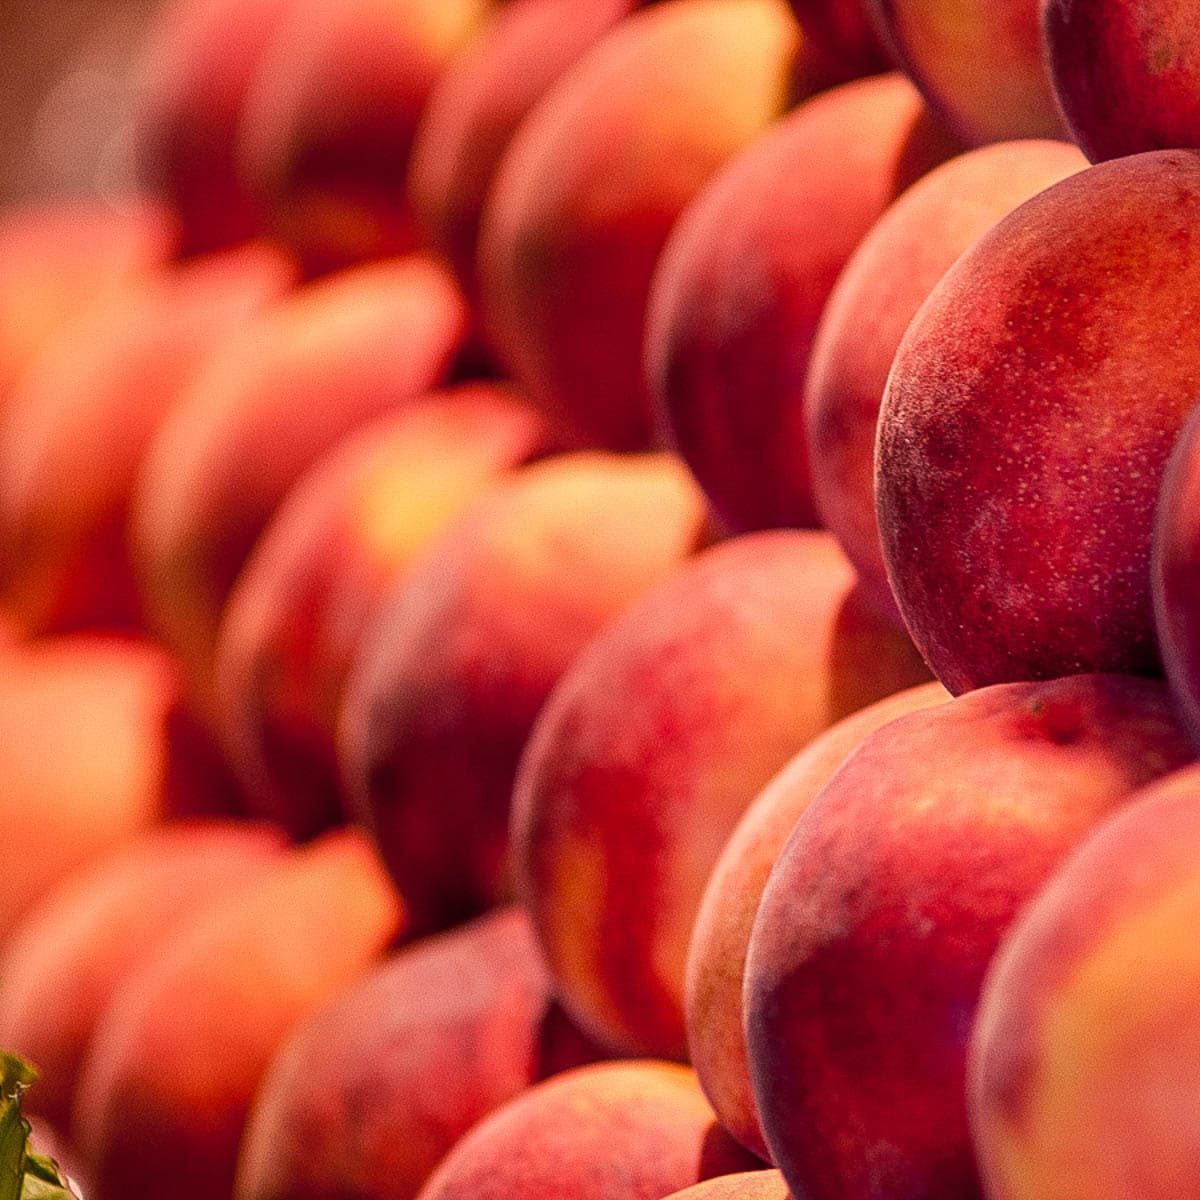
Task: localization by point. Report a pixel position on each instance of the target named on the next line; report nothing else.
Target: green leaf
(23, 1174)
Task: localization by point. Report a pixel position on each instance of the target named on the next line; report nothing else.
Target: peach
(618, 1131)
(980, 64)
(1127, 76)
(741, 284)
(346, 532)
(843, 31)
(59, 260)
(265, 409)
(716, 962)
(67, 958)
(366, 1097)
(330, 118)
(876, 296)
(174, 1062)
(110, 381)
(1175, 578)
(592, 183)
(745, 1185)
(1027, 421)
(654, 744)
(519, 51)
(887, 903)
(199, 64)
(460, 658)
(1086, 1046)
(95, 746)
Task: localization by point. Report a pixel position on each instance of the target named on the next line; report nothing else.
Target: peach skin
(1027, 422)
(656, 741)
(595, 178)
(716, 963)
(746, 1185)
(332, 356)
(174, 1062)
(348, 530)
(461, 656)
(885, 907)
(1086, 1046)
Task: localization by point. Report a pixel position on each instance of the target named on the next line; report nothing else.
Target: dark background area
(67, 86)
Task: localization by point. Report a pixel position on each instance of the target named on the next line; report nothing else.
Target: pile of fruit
(601, 601)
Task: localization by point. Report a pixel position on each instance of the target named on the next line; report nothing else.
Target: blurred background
(66, 95)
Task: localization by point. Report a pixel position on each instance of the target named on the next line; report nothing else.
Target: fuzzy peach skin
(844, 32)
(333, 355)
(460, 658)
(174, 1062)
(887, 903)
(876, 296)
(1086, 1046)
(745, 1185)
(1175, 574)
(64, 962)
(199, 63)
(716, 963)
(519, 51)
(616, 1131)
(57, 260)
(330, 118)
(593, 181)
(741, 284)
(1028, 418)
(980, 64)
(74, 433)
(655, 743)
(1127, 76)
(95, 746)
(366, 1097)
(348, 530)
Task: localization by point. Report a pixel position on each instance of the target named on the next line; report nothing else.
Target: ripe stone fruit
(1087, 1045)
(1028, 418)
(886, 906)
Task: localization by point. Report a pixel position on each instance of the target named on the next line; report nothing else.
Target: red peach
(472, 113)
(200, 61)
(67, 958)
(463, 654)
(980, 64)
(876, 297)
(348, 530)
(887, 903)
(1127, 76)
(656, 741)
(716, 963)
(1085, 1051)
(741, 284)
(592, 183)
(330, 119)
(620, 1131)
(1175, 574)
(366, 1097)
(1028, 418)
(110, 382)
(175, 1060)
(843, 30)
(332, 356)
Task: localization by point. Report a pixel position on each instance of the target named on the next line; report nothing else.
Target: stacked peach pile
(585, 589)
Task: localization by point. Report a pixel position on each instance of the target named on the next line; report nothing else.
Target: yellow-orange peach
(67, 958)
(335, 354)
(716, 963)
(75, 431)
(745, 1185)
(174, 1062)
